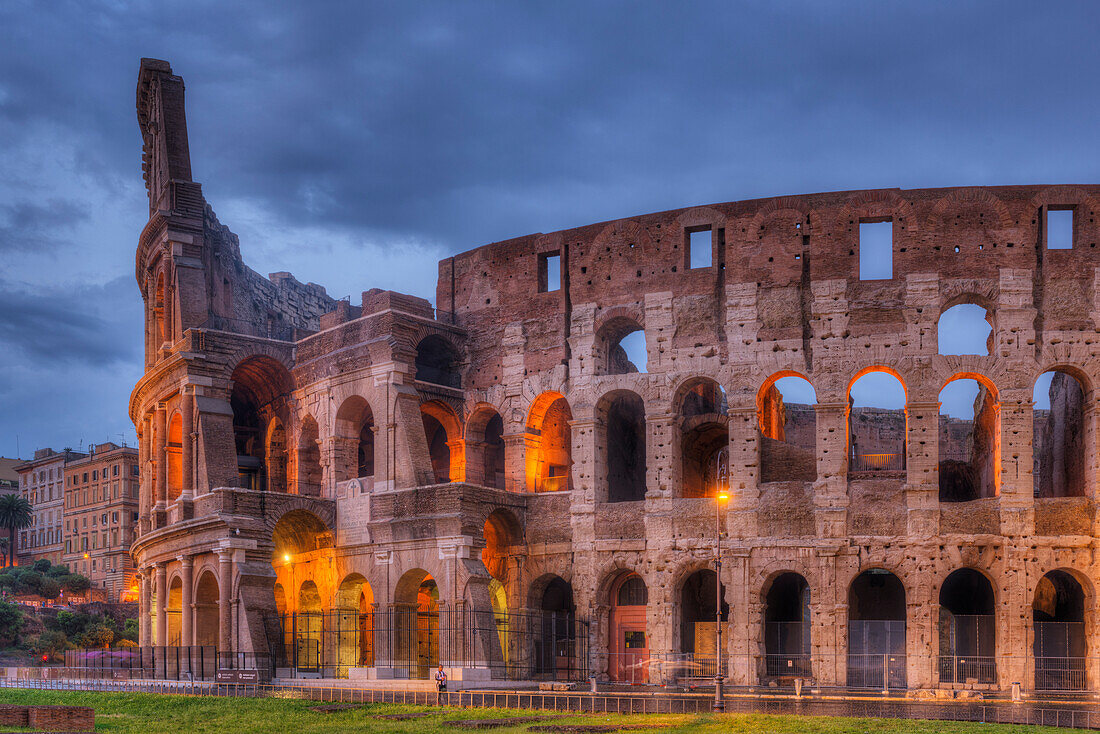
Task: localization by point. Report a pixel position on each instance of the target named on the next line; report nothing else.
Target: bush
(42, 565)
(11, 623)
(51, 643)
(58, 571)
(75, 583)
(98, 635)
(28, 582)
(49, 588)
(73, 624)
(125, 643)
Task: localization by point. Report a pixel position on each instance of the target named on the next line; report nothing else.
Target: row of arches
(474, 450)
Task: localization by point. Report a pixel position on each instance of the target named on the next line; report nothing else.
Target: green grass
(146, 713)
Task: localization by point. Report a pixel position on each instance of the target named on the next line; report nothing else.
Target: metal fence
(1036, 714)
(200, 663)
(410, 643)
(877, 462)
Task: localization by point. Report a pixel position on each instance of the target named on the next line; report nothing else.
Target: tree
(15, 514)
(49, 588)
(51, 643)
(11, 623)
(75, 583)
(98, 635)
(42, 565)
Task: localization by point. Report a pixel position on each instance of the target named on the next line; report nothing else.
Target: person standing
(440, 684)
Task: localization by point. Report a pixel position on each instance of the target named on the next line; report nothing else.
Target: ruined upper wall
(789, 251)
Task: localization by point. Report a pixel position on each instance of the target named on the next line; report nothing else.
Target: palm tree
(16, 513)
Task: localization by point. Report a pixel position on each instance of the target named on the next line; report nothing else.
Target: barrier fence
(410, 643)
(1045, 714)
(200, 663)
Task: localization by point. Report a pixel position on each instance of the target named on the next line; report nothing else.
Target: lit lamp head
(85, 555)
(286, 557)
(723, 496)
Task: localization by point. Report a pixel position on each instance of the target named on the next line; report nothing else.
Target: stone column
(160, 493)
(187, 638)
(831, 487)
(744, 473)
(515, 462)
(922, 487)
(662, 479)
(162, 603)
(225, 605)
(187, 410)
(1017, 480)
(144, 599)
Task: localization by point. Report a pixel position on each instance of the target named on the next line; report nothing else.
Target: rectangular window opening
(1059, 228)
(699, 248)
(876, 250)
(549, 272)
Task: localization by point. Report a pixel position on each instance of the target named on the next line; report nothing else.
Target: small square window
(876, 250)
(699, 248)
(549, 272)
(1059, 229)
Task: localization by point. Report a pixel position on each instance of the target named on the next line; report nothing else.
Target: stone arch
(621, 447)
(880, 203)
(960, 315)
(788, 432)
(974, 198)
(174, 456)
(549, 444)
(967, 627)
(614, 326)
(175, 610)
(355, 434)
(877, 628)
(969, 458)
(696, 604)
(309, 477)
(416, 623)
(298, 531)
(438, 361)
(627, 630)
(877, 437)
(503, 536)
(354, 611)
(702, 435)
(206, 609)
(443, 432)
(260, 386)
(1063, 450)
(484, 440)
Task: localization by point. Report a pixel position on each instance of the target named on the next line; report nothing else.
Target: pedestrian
(440, 684)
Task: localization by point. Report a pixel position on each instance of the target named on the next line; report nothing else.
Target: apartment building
(42, 483)
(100, 514)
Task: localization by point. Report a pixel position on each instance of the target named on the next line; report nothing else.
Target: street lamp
(721, 497)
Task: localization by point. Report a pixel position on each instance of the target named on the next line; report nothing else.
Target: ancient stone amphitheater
(504, 485)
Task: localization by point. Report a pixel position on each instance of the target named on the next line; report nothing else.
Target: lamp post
(721, 496)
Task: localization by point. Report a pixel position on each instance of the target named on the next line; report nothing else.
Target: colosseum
(501, 484)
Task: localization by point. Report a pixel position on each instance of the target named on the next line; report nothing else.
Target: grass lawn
(146, 713)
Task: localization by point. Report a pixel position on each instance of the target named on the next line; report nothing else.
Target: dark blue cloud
(384, 135)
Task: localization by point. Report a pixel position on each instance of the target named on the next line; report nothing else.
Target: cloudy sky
(357, 143)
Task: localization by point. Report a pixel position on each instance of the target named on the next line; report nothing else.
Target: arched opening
(310, 627)
(1060, 646)
(355, 440)
(969, 426)
(967, 628)
(258, 400)
(299, 532)
(699, 599)
(174, 455)
(966, 328)
(354, 625)
(556, 654)
(309, 458)
(438, 362)
(443, 434)
(416, 624)
(704, 435)
(549, 443)
(502, 536)
(175, 612)
(629, 643)
(788, 429)
(1059, 435)
(876, 631)
(623, 439)
(485, 448)
(622, 342)
(876, 423)
(787, 628)
(206, 610)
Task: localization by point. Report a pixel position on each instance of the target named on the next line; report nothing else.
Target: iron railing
(410, 643)
(200, 662)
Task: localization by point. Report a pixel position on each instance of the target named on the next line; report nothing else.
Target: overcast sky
(356, 143)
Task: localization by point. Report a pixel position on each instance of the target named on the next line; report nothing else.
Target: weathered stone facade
(327, 449)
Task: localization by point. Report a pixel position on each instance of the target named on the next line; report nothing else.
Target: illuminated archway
(704, 434)
(627, 634)
(787, 419)
(417, 623)
(877, 422)
(443, 432)
(549, 443)
(621, 439)
(354, 624)
(969, 444)
(174, 456)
